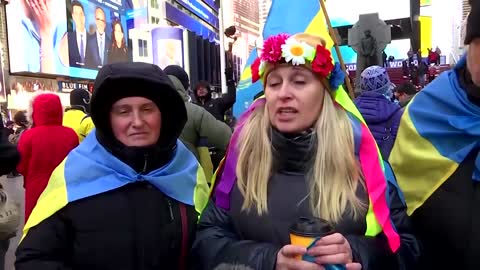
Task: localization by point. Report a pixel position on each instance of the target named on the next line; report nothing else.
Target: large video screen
(72, 38)
(346, 12)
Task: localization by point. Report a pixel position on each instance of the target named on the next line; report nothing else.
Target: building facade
(264, 8)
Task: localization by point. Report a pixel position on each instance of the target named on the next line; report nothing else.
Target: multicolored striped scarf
(378, 216)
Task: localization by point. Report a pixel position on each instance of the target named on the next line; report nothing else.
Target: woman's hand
(286, 259)
(334, 249)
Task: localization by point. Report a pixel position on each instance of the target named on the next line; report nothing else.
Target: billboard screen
(167, 46)
(387, 10)
(70, 38)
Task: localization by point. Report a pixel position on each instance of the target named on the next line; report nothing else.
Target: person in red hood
(43, 147)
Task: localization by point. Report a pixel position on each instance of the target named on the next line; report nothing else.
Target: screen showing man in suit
(66, 37)
(98, 43)
(77, 40)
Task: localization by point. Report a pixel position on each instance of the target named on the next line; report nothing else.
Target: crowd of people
(310, 179)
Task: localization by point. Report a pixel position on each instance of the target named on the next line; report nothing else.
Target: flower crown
(283, 48)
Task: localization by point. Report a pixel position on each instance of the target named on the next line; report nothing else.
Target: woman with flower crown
(303, 151)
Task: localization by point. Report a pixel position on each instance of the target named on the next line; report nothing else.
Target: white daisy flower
(297, 52)
(261, 67)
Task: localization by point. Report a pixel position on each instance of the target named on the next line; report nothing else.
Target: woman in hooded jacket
(303, 152)
(375, 104)
(128, 197)
(43, 147)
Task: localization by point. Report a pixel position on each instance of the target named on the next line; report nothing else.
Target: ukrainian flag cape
(90, 170)
(439, 128)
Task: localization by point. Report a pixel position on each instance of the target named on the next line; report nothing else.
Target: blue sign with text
(211, 3)
(175, 15)
(199, 10)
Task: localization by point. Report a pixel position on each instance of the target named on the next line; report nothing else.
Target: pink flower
(272, 48)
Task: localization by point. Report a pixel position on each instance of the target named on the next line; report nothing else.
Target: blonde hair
(333, 178)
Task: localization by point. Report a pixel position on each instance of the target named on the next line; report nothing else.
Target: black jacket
(217, 107)
(448, 223)
(243, 238)
(9, 156)
(135, 227)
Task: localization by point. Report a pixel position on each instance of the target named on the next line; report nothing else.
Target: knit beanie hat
(376, 79)
(180, 73)
(80, 98)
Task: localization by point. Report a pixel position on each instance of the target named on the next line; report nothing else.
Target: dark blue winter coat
(382, 117)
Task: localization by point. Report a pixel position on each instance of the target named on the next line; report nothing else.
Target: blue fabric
(246, 90)
(443, 115)
(393, 181)
(382, 118)
(90, 170)
(298, 19)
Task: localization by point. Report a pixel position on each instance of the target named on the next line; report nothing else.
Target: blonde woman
(303, 151)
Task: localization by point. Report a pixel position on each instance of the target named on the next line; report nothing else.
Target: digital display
(69, 38)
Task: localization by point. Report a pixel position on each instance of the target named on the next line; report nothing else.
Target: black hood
(80, 100)
(206, 85)
(120, 80)
(473, 22)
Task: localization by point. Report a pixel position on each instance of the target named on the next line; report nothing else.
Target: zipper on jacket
(170, 208)
(145, 164)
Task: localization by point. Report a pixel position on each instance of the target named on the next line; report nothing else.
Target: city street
(14, 188)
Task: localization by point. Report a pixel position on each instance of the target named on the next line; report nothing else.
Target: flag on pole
(285, 16)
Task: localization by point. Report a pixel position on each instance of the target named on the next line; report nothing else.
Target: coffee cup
(305, 232)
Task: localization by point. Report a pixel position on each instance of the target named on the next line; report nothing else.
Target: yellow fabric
(53, 198)
(206, 162)
(417, 164)
(86, 126)
(373, 227)
(201, 192)
(318, 26)
(73, 119)
(426, 25)
(247, 73)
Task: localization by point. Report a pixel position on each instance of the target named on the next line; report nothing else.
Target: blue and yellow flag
(438, 130)
(285, 16)
(90, 170)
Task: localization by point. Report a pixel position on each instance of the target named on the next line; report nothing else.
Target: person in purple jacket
(377, 108)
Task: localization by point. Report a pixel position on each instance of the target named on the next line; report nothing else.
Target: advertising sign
(68, 87)
(175, 15)
(211, 3)
(70, 38)
(199, 10)
(167, 46)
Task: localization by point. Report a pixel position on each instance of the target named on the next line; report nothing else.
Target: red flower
(322, 64)
(272, 48)
(255, 70)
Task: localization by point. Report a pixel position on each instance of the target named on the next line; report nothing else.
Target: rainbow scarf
(90, 170)
(439, 128)
(378, 216)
